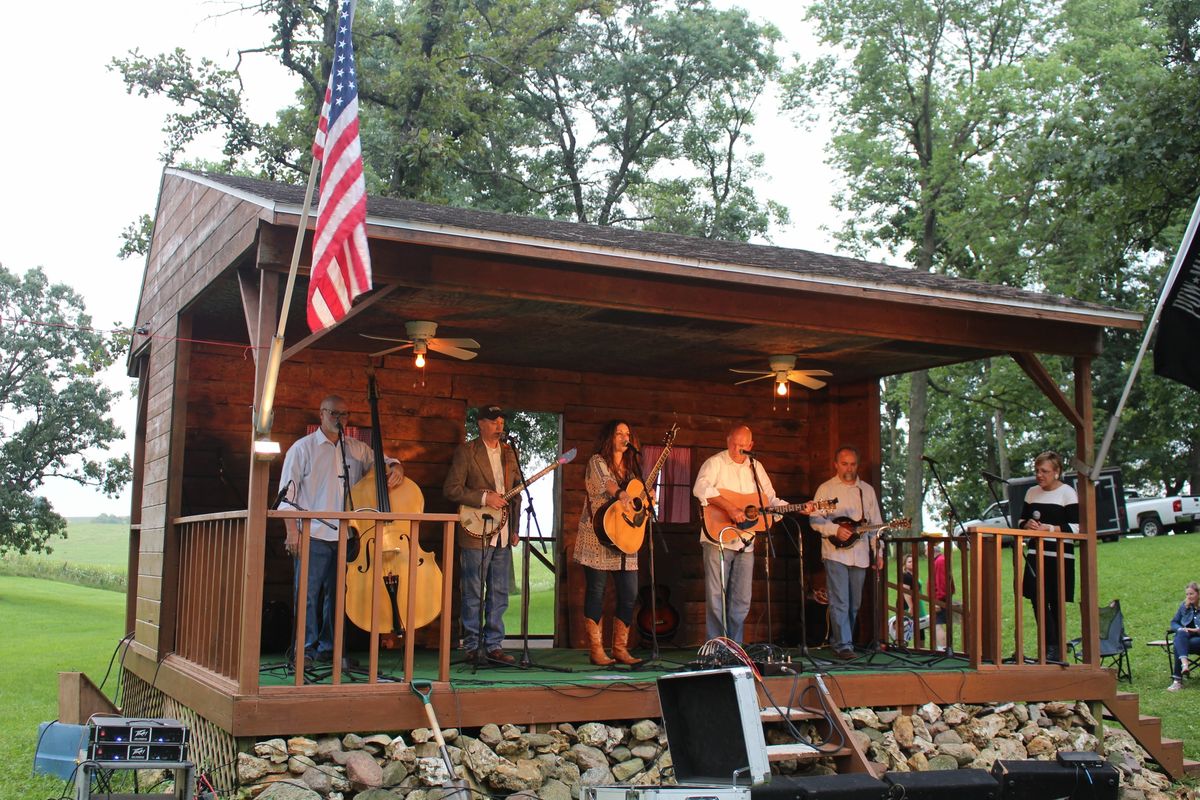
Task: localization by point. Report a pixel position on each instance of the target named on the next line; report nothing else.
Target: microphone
(750, 453)
(992, 476)
(279, 498)
(929, 460)
(632, 449)
(1037, 515)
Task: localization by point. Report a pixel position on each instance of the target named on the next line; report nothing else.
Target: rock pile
(555, 764)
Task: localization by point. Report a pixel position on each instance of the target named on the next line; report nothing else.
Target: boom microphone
(632, 449)
(929, 459)
(992, 476)
(750, 453)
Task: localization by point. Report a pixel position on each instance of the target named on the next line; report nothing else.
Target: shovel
(458, 788)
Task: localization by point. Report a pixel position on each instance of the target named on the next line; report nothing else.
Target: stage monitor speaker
(713, 727)
(952, 784)
(851, 786)
(1049, 780)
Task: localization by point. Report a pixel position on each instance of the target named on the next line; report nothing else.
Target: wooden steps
(848, 758)
(1124, 707)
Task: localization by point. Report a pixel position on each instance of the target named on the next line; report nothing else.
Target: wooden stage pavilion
(584, 322)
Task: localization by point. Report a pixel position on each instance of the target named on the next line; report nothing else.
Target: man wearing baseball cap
(482, 472)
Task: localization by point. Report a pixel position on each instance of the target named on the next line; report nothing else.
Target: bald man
(729, 567)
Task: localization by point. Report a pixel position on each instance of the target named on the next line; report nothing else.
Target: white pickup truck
(1150, 516)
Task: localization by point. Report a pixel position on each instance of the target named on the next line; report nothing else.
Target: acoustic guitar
(487, 521)
(720, 528)
(621, 530)
(861, 529)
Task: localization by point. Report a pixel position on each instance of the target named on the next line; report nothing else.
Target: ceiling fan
(783, 369)
(421, 338)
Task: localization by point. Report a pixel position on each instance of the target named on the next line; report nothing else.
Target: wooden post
(1089, 606)
(249, 632)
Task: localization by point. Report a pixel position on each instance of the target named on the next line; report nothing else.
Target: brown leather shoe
(845, 654)
(501, 656)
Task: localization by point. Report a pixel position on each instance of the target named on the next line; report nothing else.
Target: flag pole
(264, 414)
(1176, 267)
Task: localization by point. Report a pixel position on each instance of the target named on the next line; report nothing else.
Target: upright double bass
(389, 542)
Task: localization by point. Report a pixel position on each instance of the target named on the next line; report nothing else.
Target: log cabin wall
(198, 233)
(423, 425)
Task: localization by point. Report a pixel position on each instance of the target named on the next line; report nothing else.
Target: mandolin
(621, 530)
(720, 528)
(860, 529)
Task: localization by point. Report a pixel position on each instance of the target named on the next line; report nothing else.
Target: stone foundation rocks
(554, 763)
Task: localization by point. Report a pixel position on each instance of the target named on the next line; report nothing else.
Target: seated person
(904, 634)
(1185, 627)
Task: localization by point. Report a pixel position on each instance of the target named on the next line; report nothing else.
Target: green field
(49, 627)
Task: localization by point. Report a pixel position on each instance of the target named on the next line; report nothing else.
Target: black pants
(593, 596)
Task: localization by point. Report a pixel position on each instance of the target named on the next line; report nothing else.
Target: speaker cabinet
(855, 786)
(1049, 780)
(953, 784)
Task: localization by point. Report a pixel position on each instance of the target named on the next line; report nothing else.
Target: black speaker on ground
(1049, 780)
(855, 786)
(951, 784)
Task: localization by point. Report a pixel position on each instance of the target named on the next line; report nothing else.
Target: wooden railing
(209, 602)
(991, 601)
(379, 598)
(213, 566)
(937, 623)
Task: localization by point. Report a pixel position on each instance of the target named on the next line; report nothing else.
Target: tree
(631, 112)
(53, 407)
(927, 91)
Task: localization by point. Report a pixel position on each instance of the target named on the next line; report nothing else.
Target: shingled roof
(734, 259)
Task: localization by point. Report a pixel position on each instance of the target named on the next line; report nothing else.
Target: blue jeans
(322, 565)
(726, 609)
(844, 585)
(496, 565)
(625, 582)
(1185, 643)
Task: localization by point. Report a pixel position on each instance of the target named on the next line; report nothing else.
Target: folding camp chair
(1114, 644)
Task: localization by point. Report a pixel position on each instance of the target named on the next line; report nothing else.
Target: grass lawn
(96, 544)
(48, 627)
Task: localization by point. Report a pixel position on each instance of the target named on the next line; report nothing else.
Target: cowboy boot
(596, 644)
(620, 644)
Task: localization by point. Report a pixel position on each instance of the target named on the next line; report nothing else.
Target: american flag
(341, 268)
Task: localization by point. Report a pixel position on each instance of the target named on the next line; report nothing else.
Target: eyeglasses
(336, 414)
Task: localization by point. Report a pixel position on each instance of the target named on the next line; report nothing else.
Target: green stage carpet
(579, 671)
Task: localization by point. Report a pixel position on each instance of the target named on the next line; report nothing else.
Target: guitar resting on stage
(720, 528)
(620, 530)
(481, 522)
(860, 529)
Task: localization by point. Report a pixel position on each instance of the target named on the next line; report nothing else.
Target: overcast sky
(82, 156)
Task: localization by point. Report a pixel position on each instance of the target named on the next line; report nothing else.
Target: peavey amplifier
(137, 739)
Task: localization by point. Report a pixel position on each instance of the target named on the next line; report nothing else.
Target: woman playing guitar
(609, 471)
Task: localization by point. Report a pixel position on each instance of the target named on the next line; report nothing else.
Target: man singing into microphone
(312, 481)
(729, 568)
(846, 565)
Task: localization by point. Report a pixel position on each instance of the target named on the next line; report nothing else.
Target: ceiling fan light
(781, 388)
(419, 360)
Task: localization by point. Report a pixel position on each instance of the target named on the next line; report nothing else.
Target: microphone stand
(770, 550)
(531, 523)
(1000, 502)
(651, 521)
(803, 653)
